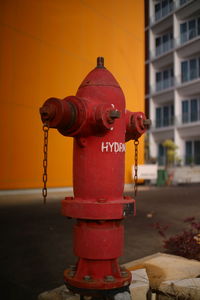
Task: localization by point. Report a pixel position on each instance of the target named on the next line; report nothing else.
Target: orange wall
(47, 47)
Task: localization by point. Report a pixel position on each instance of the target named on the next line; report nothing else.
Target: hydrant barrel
(107, 239)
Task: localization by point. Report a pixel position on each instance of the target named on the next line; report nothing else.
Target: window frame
(165, 43)
(162, 85)
(161, 158)
(194, 154)
(164, 120)
(187, 34)
(193, 110)
(190, 73)
(187, 117)
(163, 8)
(184, 74)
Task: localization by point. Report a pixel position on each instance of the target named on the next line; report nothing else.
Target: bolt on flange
(124, 273)
(71, 273)
(87, 277)
(72, 267)
(109, 278)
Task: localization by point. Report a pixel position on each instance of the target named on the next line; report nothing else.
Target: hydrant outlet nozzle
(147, 123)
(60, 114)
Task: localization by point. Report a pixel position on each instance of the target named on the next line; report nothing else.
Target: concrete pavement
(36, 241)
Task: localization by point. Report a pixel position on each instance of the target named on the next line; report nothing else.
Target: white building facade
(173, 76)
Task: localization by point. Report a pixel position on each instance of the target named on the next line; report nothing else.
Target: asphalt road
(36, 241)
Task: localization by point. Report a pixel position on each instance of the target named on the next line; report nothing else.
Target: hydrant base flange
(98, 287)
(104, 294)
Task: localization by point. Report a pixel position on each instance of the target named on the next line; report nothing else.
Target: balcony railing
(177, 82)
(180, 3)
(188, 118)
(162, 85)
(162, 49)
(183, 119)
(192, 160)
(187, 160)
(188, 77)
(186, 37)
(164, 12)
(163, 123)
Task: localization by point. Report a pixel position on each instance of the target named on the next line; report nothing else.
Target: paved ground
(36, 242)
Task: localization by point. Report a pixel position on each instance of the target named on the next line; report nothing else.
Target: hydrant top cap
(100, 76)
(100, 62)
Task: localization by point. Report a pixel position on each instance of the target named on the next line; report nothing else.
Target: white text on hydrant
(113, 147)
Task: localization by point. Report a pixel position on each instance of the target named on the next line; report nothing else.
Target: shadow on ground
(36, 241)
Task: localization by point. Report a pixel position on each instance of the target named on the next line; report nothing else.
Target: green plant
(170, 151)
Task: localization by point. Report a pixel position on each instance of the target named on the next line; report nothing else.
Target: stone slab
(60, 293)
(159, 268)
(185, 289)
(163, 267)
(139, 286)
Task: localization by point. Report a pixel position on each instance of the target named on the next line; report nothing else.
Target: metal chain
(136, 143)
(45, 151)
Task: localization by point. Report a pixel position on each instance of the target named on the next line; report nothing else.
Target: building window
(164, 79)
(164, 43)
(192, 152)
(161, 155)
(185, 111)
(190, 110)
(158, 117)
(189, 30)
(158, 81)
(193, 69)
(182, 2)
(158, 14)
(197, 152)
(188, 152)
(183, 31)
(163, 8)
(199, 67)
(164, 116)
(194, 110)
(190, 69)
(184, 71)
(158, 46)
(192, 29)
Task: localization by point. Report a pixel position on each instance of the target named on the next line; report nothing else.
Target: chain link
(136, 143)
(45, 162)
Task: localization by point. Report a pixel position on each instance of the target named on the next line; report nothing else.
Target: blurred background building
(172, 64)
(46, 50)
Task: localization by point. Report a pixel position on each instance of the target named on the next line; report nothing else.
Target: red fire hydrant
(97, 119)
